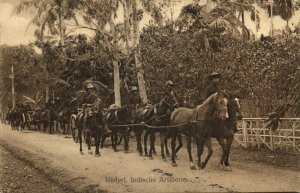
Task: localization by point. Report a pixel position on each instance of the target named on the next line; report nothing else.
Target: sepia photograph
(149, 96)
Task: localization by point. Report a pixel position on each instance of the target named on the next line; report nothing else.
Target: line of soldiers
(91, 97)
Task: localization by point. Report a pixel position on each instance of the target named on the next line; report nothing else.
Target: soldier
(214, 85)
(169, 88)
(90, 99)
(135, 99)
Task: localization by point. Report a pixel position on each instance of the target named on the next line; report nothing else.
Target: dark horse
(157, 115)
(224, 132)
(63, 118)
(14, 117)
(26, 120)
(49, 118)
(37, 119)
(94, 128)
(120, 116)
(197, 123)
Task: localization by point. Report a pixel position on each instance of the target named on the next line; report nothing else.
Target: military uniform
(214, 84)
(91, 102)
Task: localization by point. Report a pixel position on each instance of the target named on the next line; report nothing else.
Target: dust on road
(59, 159)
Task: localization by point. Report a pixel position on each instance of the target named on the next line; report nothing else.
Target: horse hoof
(97, 155)
(115, 150)
(154, 153)
(174, 165)
(150, 158)
(220, 166)
(146, 154)
(140, 154)
(227, 168)
(164, 159)
(81, 153)
(126, 151)
(90, 152)
(193, 167)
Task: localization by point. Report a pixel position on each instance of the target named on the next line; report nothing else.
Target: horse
(37, 119)
(26, 120)
(73, 125)
(197, 123)
(49, 118)
(225, 134)
(119, 116)
(63, 118)
(94, 128)
(15, 118)
(156, 115)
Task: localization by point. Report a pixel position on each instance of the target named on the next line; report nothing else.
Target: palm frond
(29, 99)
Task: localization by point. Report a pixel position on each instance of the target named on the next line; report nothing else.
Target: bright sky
(13, 27)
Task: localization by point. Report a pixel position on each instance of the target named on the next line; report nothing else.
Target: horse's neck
(204, 111)
(162, 108)
(121, 113)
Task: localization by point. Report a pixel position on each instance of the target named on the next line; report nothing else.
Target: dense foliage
(265, 72)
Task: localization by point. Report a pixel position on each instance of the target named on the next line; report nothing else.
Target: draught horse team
(216, 118)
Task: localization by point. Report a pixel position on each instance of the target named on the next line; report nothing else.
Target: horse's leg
(189, 149)
(166, 146)
(138, 135)
(145, 142)
(173, 144)
(162, 145)
(227, 151)
(88, 141)
(115, 139)
(80, 140)
(152, 141)
(153, 145)
(179, 145)
(103, 137)
(200, 145)
(126, 139)
(97, 142)
(209, 154)
(223, 146)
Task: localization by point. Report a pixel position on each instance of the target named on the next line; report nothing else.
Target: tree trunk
(138, 64)
(117, 90)
(62, 30)
(126, 25)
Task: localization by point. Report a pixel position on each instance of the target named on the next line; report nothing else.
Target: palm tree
(51, 16)
(285, 10)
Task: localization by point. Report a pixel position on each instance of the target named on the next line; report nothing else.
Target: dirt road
(58, 159)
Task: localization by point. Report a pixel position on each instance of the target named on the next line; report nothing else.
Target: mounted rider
(135, 100)
(91, 102)
(214, 85)
(169, 91)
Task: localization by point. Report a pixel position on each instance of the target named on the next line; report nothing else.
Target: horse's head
(220, 100)
(170, 100)
(234, 109)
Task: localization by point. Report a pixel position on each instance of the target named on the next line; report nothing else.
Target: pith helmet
(169, 82)
(134, 88)
(90, 85)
